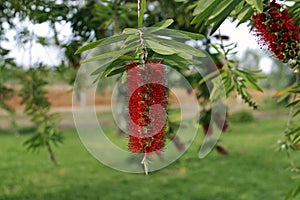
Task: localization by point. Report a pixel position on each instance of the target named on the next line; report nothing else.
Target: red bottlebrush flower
(277, 31)
(280, 56)
(221, 150)
(221, 121)
(262, 17)
(147, 104)
(275, 14)
(285, 14)
(220, 65)
(189, 91)
(275, 26)
(178, 144)
(288, 25)
(282, 47)
(292, 52)
(207, 129)
(285, 37)
(273, 4)
(295, 35)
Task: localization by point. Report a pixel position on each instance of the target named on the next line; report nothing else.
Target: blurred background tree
(91, 20)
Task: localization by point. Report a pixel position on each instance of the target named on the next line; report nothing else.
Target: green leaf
(222, 15)
(164, 24)
(223, 9)
(245, 14)
(209, 76)
(283, 91)
(89, 46)
(174, 61)
(131, 31)
(131, 41)
(294, 131)
(204, 9)
(174, 115)
(109, 55)
(159, 48)
(294, 103)
(216, 25)
(104, 56)
(239, 7)
(296, 113)
(293, 192)
(201, 6)
(177, 47)
(194, 36)
(258, 4)
(106, 67)
(175, 34)
(117, 71)
(101, 67)
(104, 41)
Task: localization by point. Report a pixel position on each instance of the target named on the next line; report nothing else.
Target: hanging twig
(145, 164)
(288, 127)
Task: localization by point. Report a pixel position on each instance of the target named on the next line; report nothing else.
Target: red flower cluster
(147, 107)
(277, 32)
(221, 123)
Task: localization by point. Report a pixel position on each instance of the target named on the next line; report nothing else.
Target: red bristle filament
(277, 31)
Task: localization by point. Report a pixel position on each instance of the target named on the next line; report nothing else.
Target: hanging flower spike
(221, 121)
(147, 107)
(178, 144)
(207, 129)
(277, 32)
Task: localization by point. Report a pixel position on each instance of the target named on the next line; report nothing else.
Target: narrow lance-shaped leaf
(221, 18)
(245, 15)
(224, 8)
(117, 71)
(112, 54)
(177, 47)
(102, 42)
(258, 5)
(202, 14)
(109, 64)
(159, 48)
(163, 24)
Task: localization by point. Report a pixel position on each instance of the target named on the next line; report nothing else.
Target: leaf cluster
(235, 78)
(159, 43)
(213, 13)
(37, 106)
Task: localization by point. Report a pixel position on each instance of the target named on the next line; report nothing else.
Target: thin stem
(144, 52)
(228, 63)
(288, 126)
(51, 154)
(145, 164)
(139, 8)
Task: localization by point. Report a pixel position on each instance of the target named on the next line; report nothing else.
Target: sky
(245, 40)
(33, 53)
(52, 55)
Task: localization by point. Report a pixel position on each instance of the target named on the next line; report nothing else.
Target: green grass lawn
(253, 170)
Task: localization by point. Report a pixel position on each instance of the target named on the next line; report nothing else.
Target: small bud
(280, 56)
(293, 63)
(292, 53)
